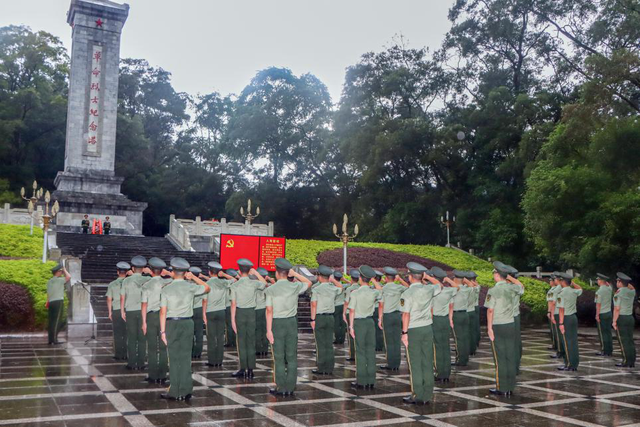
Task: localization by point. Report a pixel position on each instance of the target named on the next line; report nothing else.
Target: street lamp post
(33, 201)
(46, 219)
(448, 223)
(248, 216)
(345, 238)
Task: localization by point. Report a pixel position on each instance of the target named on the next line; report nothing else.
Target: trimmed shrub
(15, 241)
(16, 310)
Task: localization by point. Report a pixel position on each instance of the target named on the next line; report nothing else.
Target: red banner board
(270, 249)
(261, 250)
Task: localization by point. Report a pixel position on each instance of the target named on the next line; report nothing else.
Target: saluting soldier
(623, 321)
(501, 327)
(339, 327)
(377, 318)
(461, 318)
(362, 304)
(198, 318)
(516, 320)
(151, 290)
(416, 305)
(130, 309)
(442, 325)
(468, 280)
(604, 296)
(390, 317)
(567, 301)
(55, 301)
(243, 316)
(282, 325)
(476, 308)
(176, 325)
(230, 337)
(550, 308)
(214, 306)
(556, 316)
(113, 306)
(262, 346)
(355, 284)
(323, 296)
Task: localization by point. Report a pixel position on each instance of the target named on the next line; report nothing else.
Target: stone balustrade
(19, 216)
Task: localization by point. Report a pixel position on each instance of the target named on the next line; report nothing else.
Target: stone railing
(17, 216)
(202, 236)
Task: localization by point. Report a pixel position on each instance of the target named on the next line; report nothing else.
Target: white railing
(18, 216)
(179, 234)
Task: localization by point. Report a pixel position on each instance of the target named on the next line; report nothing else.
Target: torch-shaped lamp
(49, 214)
(345, 237)
(33, 200)
(448, 223)
(249, 217)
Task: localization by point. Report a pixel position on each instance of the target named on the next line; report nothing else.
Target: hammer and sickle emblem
(230, 243)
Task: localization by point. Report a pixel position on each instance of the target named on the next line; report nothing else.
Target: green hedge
(15, 241)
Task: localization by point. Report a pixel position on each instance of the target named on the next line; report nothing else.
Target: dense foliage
(16, 242)
(16, 309)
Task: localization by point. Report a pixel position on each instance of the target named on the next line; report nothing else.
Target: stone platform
(80, 385)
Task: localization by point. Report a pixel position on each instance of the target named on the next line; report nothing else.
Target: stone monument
(88, 184)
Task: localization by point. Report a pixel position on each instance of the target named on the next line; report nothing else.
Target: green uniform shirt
(283, 297)
(472, 298)
(556, 294)
(113, 292)
(417, 301)
(603, 297)
(197, 301)
(442, 300)
(340, 297)
(550, 295)
(325, 295)
(364, 301)
(178, 296)
(519, 291)
(151, 292)
(568, 298)
(55, 288)
(244, 292)
(624, 299)
(347, 292)
(132, 291)
(391, 294)
(217, 298)
(261, 300)
(461, 301)
(501, 299)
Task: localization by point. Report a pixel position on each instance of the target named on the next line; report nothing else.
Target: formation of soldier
(160, 314)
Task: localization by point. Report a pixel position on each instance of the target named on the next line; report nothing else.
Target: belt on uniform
(153, 311)
(361, 318)
(460, 311)
(179, 318)
(324, 314)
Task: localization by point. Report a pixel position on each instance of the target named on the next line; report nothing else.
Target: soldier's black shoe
(150, 380)
(388, 368)
(369, 386)
(350, 359)
(130, 368)
(551, 347)
(496, 392)
(411, 401)
(357, 386)
(570, 369)
(239, 374)
(562, 368)
(445, 380)
(621, 365)
(188, 396)
(509, 393)
(600, 354)
(212, 365)
(250, 373)
(161, 381)
(275, 392)
(167, 397)
(554, 356)
(317, 372)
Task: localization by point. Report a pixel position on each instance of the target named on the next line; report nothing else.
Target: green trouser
(559, 337)
(198, 333)
(604, 329)
(136, 342)
(246, 337)
(215, 336)
(230, 337)
(352, 347)
(477, 323)
(379, 335)
(119, 335)
(323, 334)
(572, 355)
(180, 340)
(504, 355)
(420, 357)
(441, 347)
(55, 319)
(392, 329)
(460, 332)
(518, 337)
(472, 332)
(261, 331)
(365, 343)
(158, 363)
(339, 327)
(554, 338)
(285, 353)
(626, 324)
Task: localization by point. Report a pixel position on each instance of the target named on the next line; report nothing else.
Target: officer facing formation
(568, 321)
(130, 305)
(355, 284)
(113, 307)
(339, 327)
(390, 317)
(623, 321)
(198, 318)
(461, 318)
(604, 316)
(214, 304)
(442, 325)
(55, 301)
(151, 291)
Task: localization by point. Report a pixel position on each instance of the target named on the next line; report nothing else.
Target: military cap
(195, 270)
(602, 276)
(623, 277)
(157, 263)
(501, 268)
(263, 271)
(139, 261)
(283, 264)
(512, 271)
(56, 268)
(323, 270)
(355, 274)
(460, 274)
(367, 272)
(337, 274)
(214, 265)
(243, 262)
(123, 266)
(231, 272)
(180, 264)
(438, 273)
(390, 271)
(415, 268)
(552, 276)
(565, 276)
(471, 275)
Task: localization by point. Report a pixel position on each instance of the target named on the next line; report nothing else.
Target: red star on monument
(99, 23)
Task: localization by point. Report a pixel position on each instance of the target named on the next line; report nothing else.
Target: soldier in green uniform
(198, 318)
(623, 321)
(604, 317)
(55, 301)
(262, 346)
(214, 307)
(176, 326)
(416, 305)
(568, 324)
(85, 224)
(390, 318)
(106, 226)
(323, 296)
(550, 308)
(516, 320)
(151, 290)
(339, 327)
(355, 277)
(130, 309)
(442, 325)
(474, 296)
(501, 327)
(113, 307)
(282, 325)
(230, 334)
(556, 316)
(243, 316)
(461, 318)
(376, 318)
(362, 303)
(476, 312)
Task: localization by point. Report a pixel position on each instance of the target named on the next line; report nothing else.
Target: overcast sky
(219, 45)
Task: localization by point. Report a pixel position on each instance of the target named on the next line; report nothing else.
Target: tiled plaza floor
(78, 385)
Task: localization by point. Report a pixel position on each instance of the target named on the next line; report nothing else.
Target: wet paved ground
(78, 385)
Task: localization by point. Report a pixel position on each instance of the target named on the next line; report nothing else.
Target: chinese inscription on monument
(94, 100)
